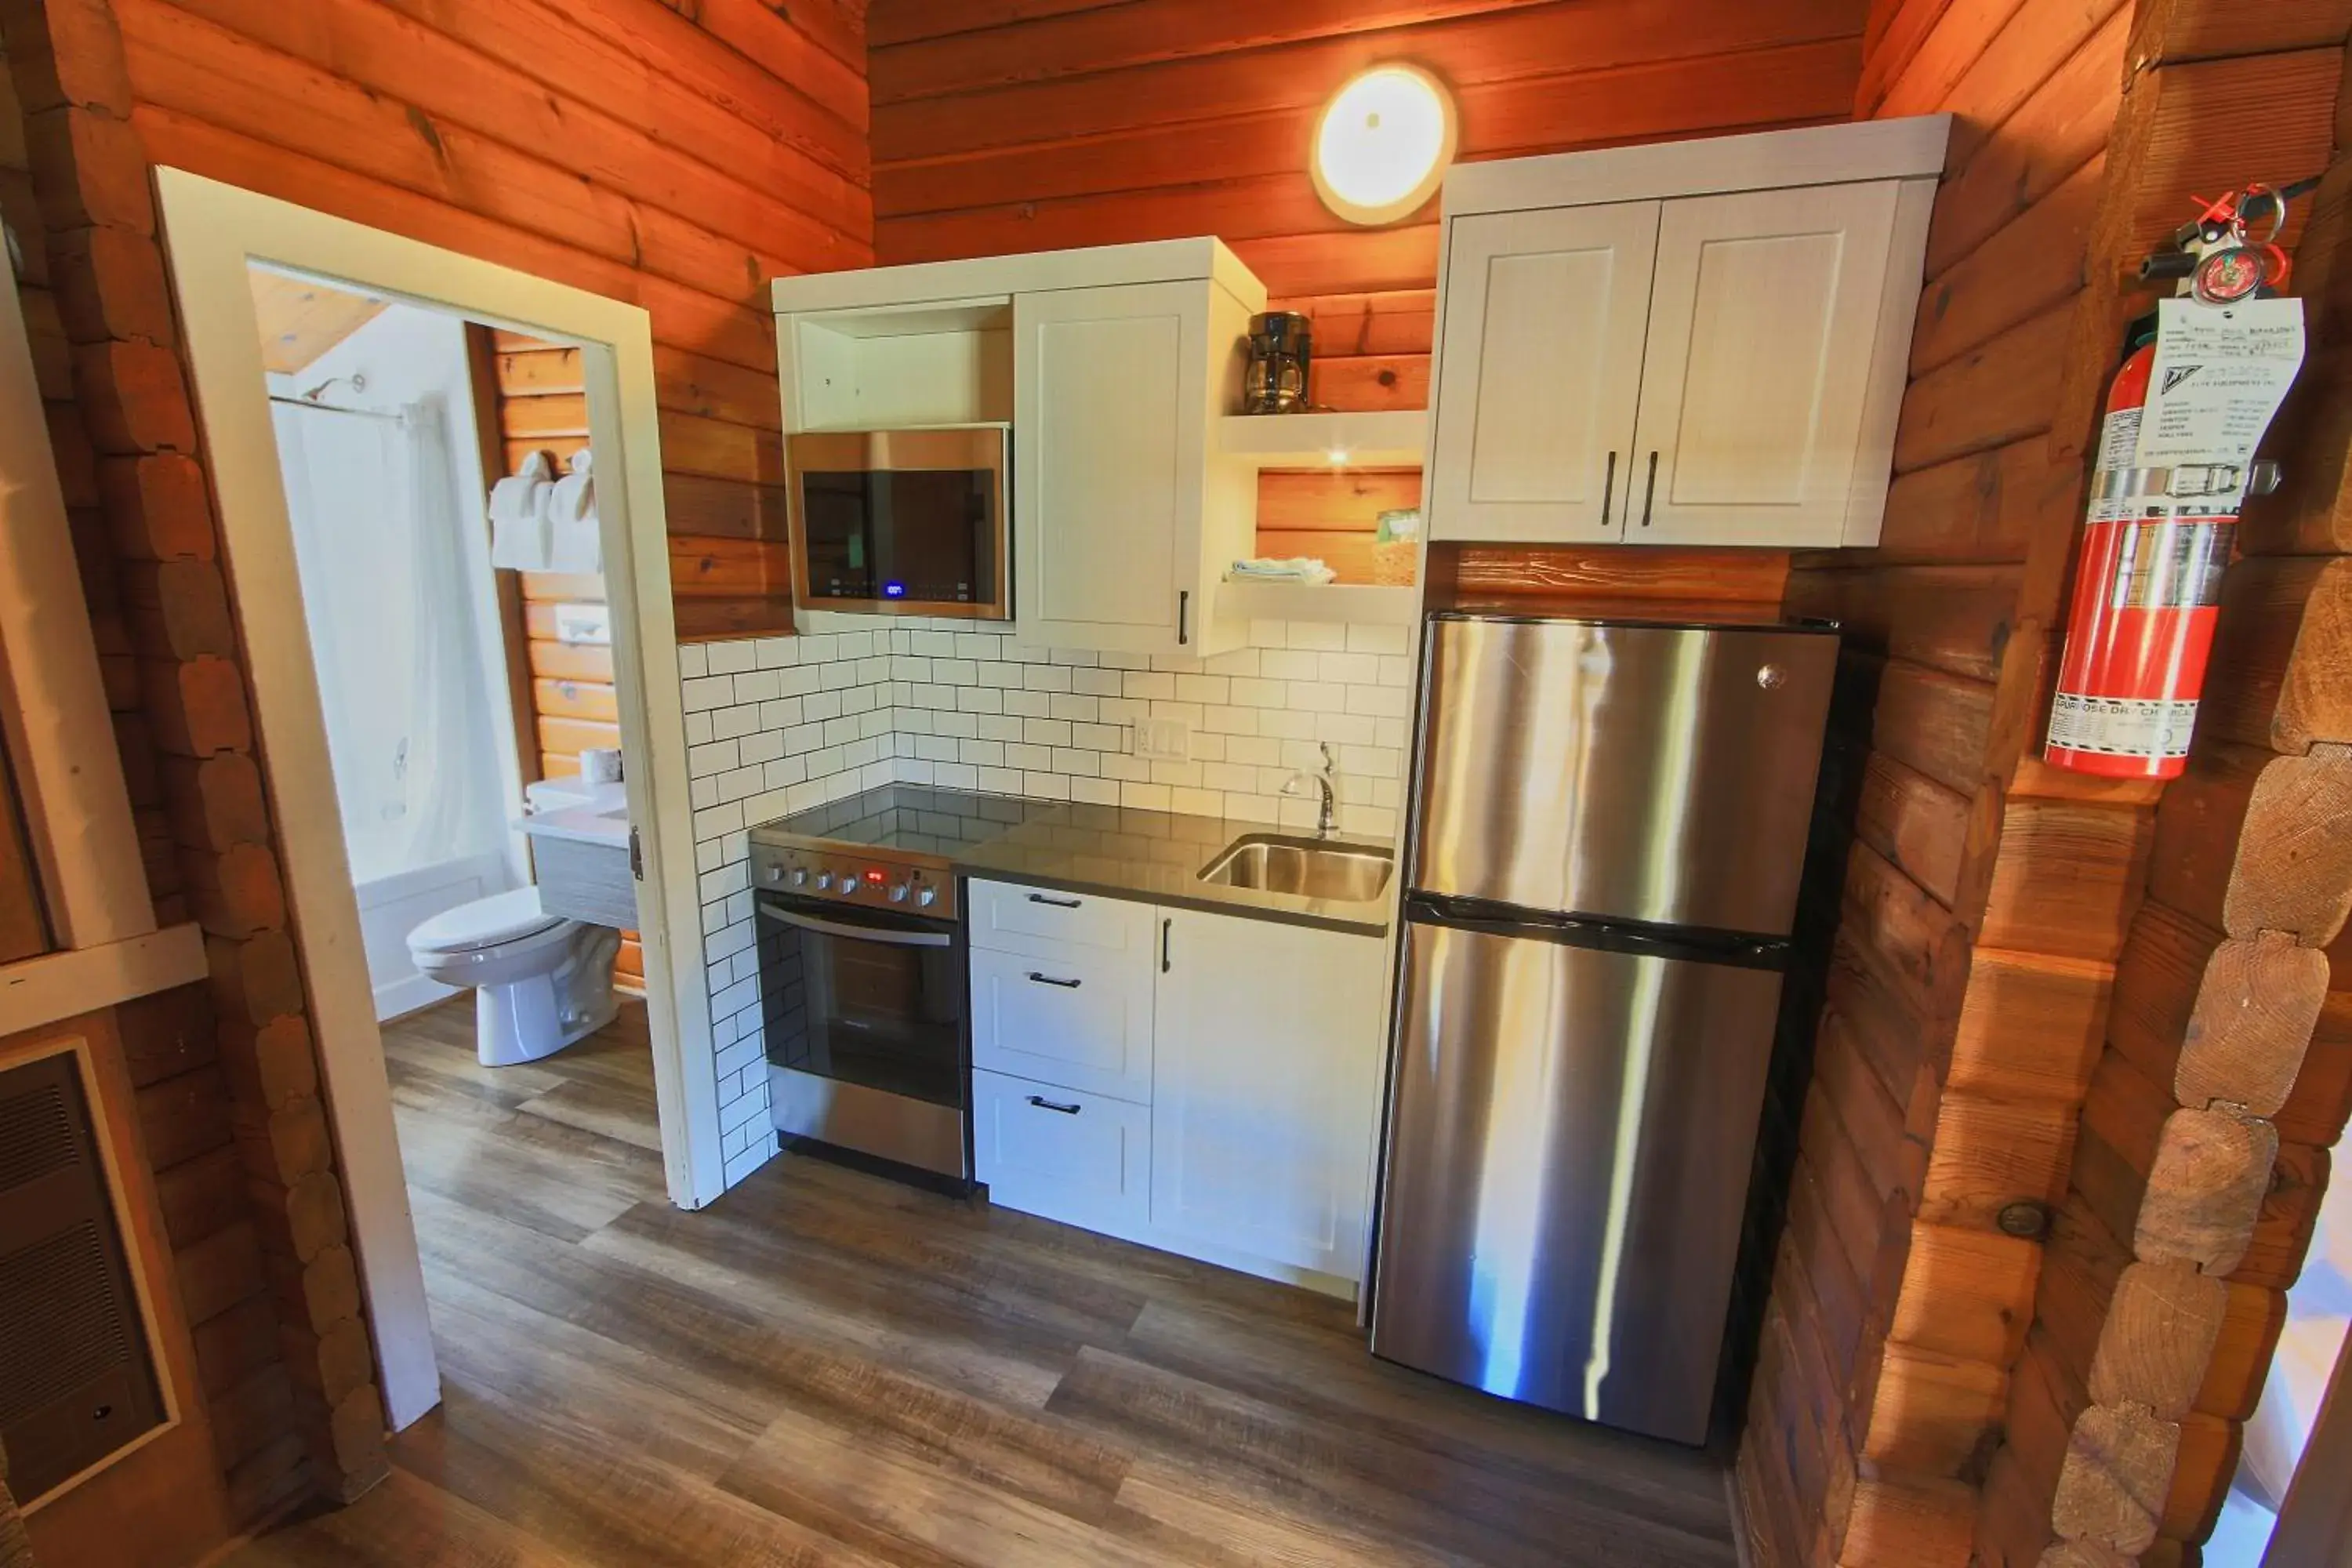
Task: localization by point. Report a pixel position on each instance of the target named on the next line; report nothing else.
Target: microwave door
(901, 521)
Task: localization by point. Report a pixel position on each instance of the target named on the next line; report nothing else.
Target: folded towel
(1294, 569)
(575, 538)
(518, 536)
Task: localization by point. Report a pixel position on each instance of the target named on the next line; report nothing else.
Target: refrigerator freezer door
(1620, 771)
(1569, 1148)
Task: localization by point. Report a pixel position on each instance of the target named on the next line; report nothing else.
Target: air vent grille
(77, 1377)
(64, 1322)
(37, 1135)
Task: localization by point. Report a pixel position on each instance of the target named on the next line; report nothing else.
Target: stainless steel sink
(1309, 868)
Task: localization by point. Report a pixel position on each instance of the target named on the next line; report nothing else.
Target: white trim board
(213, 232)
(60, 736)
(1910, 148)
(41, 990)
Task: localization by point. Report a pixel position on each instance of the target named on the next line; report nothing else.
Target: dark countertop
(1156, 857)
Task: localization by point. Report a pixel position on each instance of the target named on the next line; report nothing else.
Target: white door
(1544, 316)
(1267, 1065)
(1763, 320)
(1110, 404)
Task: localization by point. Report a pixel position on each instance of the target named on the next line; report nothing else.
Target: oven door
(900, 521)
(865, 1020)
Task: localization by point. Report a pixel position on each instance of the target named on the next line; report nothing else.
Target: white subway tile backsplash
(777, 725)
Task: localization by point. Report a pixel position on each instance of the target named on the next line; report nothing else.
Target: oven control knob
(898, 892)
(849, 884)
(927, 896)
(800, 877)
(823, 880)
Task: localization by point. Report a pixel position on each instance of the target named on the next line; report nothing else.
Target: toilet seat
(494, 921)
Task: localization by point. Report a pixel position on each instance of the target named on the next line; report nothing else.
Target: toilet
(539, 981)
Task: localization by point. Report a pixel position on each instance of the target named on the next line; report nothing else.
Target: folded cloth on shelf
(574, 544)
(518, 538)
(1293, 569)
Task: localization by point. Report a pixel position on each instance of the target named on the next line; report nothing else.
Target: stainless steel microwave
(912, 522)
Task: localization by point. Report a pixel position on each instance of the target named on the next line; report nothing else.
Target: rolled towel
(518, 538)
(575, 538)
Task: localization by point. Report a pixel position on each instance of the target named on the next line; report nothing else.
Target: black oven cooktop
(890, 848)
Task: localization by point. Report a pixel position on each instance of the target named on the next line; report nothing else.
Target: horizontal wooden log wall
(2227, 1075)
(227, 1083)
(1001, 126)
(677, 157)
(569, 697)
(1974, 909)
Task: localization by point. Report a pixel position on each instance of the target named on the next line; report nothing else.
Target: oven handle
(858, 932)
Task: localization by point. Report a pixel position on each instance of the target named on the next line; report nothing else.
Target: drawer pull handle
(1042, 1103)
(1049, 980)
(1057, 903)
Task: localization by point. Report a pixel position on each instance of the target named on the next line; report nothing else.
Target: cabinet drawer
(1078, 1019)
(1046, 920)
(1084, 1159)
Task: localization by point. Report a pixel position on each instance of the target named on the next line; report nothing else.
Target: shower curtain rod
(336, 409)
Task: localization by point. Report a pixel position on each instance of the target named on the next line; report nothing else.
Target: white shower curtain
(380, 546)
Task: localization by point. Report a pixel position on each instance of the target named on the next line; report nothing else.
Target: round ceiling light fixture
(1382, 143)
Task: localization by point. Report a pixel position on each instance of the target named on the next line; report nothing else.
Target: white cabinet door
(1763, 321)
(1081, 1018)
(1110, 413)
(1544, 316)
(1082, 1159)
(1266, 1064)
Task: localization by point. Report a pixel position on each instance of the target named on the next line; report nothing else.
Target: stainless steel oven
(901, 521)
(865, 1039)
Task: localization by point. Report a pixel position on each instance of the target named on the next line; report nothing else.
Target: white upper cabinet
(1753, 388)
(1548, 312)
(1113, 365)
(1695, 343)
(1119, 518)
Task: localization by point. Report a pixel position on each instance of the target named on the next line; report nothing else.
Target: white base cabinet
(1213, 1091)
(1268, 1087)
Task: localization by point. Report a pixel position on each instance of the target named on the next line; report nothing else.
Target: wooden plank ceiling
(301, 319)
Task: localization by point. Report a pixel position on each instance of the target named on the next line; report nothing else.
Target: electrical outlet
(1164, 740)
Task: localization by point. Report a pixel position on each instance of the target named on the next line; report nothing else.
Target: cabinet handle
(1166, 927)
(1649, 491)
(1057, 903)
(1608, 487)
(1184, 609)
(1049, 980)
(1042, 1103)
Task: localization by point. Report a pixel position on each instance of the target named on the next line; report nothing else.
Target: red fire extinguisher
(2156, 542)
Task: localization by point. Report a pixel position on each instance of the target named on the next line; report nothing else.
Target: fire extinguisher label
(2171, 565)
(2122, 726)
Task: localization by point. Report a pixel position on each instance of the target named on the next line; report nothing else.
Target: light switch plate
(1164, 740)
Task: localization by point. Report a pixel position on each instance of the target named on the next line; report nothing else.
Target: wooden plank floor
(823, 1368)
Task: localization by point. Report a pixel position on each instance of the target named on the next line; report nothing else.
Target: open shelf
(1389, 439)
(1363, 603)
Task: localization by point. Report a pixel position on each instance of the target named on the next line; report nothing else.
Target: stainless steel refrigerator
(1607, 828)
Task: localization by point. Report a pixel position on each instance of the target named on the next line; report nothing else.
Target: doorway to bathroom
(427, 688)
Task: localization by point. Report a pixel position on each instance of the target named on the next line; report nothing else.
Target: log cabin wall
(615, 146)
(230, 1124)
(1000, 126)
(1923, 1362)
(674, 160)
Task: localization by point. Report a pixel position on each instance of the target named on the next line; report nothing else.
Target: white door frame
(213, 231)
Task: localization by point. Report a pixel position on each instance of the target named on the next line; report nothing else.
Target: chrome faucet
(1326, 776)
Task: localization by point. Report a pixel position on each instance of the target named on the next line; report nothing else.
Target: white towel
(574, 544)
(1295, 569)
(518, 517)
